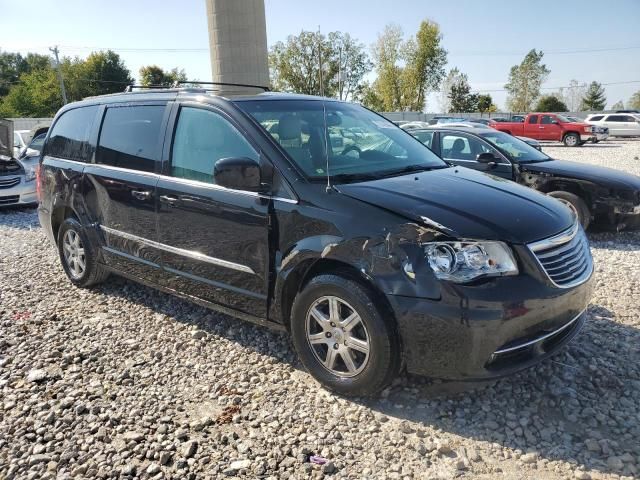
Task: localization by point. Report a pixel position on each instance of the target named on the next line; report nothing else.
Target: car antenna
(326, 144)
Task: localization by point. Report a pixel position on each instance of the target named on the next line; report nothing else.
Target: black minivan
(321, 218)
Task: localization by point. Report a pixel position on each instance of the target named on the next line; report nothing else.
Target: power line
(479, 90)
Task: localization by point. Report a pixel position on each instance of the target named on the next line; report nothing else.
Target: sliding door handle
(141, 194)
(170, 199)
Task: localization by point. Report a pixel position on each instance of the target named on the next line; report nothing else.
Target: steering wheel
(352, 148)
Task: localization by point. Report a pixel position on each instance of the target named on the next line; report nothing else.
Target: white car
(619, 124)
(20, 140)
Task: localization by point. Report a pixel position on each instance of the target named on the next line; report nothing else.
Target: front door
(121, 187)
(549, 128)
(462, 149)
(214, 240)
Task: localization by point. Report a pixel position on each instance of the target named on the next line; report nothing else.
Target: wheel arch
(59, 215)
(308, 269)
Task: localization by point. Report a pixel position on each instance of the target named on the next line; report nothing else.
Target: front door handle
(170, 199)
(141, 194)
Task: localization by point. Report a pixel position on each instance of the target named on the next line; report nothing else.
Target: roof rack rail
(129, 88)
(178, 83)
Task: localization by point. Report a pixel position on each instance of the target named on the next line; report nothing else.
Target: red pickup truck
(552, 127)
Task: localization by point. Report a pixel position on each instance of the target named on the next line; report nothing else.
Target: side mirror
(488, 158)
(238, 173)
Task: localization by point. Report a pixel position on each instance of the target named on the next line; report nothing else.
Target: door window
(616, 118)
(130, 137)
(69, 138)
(424, 137)
(533, 119)
(461, 147)
(547, 119)
(203, 137)
(597, 118)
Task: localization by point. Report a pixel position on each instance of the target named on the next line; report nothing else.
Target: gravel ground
(125, 381)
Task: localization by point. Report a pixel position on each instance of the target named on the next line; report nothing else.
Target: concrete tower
(238, 43)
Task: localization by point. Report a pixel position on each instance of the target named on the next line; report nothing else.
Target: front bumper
(590, 137)
(22, 193)
(489, 330)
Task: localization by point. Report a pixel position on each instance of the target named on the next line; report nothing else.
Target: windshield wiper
(412, 168)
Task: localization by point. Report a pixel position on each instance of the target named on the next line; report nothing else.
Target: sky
(584, 40)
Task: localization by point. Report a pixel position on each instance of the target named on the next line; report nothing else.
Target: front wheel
(77, 255)
(571, 140)
(343, 339)
(575, 204)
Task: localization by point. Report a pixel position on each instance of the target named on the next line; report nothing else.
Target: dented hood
(606, 177)
(467, 204)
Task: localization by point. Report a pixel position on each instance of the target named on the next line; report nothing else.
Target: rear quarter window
(130, 137)
(69, 138)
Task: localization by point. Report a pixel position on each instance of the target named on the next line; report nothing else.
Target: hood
(467, 204)
(6, 139)
(603, 176)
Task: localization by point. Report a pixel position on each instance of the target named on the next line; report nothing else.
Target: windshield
(347, 139)
(515, 149)
(563, 119)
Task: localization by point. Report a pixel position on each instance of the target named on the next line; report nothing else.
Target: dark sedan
(595, 194)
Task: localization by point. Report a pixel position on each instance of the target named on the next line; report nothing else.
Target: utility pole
(340, 72)
(57, 65)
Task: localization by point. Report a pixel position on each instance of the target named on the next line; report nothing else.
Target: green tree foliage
(484, 103)
(105, 72)
(594, 98)
(36, 92)
(634, 101)
(525, 80)
(408, 70)
(153, 75)
(454, 76)
(550, 103)
(295, 64)
(461, 98)
(13, 65)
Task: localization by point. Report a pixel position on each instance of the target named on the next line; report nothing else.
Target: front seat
(290, 133)
(457, 149)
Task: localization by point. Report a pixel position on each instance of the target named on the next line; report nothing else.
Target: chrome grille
(565, 258)
(9, 182)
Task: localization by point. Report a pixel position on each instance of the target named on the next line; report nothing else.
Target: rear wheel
(343, 339)
(78, 256)
(576, 204)
(571, 140)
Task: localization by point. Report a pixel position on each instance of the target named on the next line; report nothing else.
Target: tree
(550, 103)
(525, 80)
(105, 72)
(619, 105)
(451, 79)
(425, 60)
(594, 98)
(13, 65)
(353, 64)
(295, 64)
(408, 70)
(36, 95)
(461, 98)
(368, 96)
(484, 103)
(154, 75)
(573, 95)
(634, 101)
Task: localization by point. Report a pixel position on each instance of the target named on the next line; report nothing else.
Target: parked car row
(595, 194)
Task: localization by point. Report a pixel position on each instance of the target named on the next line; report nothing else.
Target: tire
(571, 140)
(78, 255)
(578, 206)
(366, 373)
(596, 141)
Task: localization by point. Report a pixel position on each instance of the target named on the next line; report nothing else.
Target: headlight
(30, 174)
(588, 129)
(461, 262)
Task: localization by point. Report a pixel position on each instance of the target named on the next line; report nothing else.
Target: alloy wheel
(74, 255)
(337, 336)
